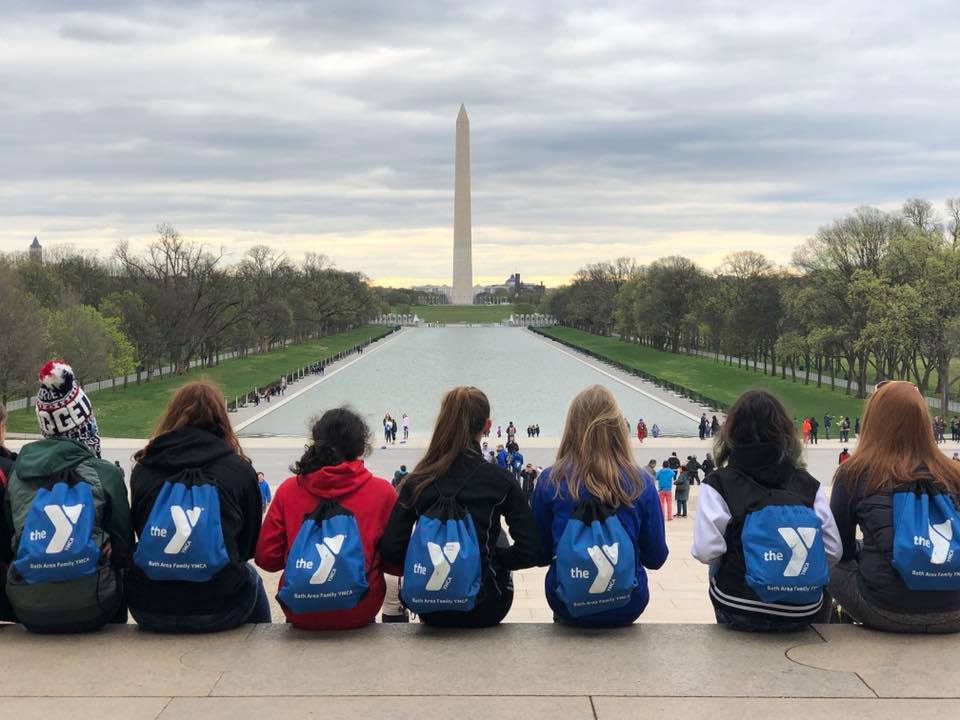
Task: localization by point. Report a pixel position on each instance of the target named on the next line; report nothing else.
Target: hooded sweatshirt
(87, 602)
(240, 512)
(369, 498)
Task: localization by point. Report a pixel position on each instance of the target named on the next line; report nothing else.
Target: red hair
(896, 439)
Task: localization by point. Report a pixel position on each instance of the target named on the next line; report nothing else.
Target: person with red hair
(896, 454)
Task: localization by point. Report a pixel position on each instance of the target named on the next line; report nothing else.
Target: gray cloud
(609, 125)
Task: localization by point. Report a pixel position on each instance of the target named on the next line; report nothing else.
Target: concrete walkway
(512, 671)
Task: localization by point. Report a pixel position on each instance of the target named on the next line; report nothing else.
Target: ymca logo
(63, 518)
(799, 540)
(442, 559)
(328, 550)
(184, 521)
(604, 558)
(938, 541)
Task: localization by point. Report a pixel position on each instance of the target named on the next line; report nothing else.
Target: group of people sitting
(781, 554)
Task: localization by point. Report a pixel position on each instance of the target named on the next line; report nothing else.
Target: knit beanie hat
(63, 409)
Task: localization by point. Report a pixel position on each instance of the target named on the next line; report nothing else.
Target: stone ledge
(523, 661)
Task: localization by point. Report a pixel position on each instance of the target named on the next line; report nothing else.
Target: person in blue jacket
(501, 456)
(517, 465)
(595, 462)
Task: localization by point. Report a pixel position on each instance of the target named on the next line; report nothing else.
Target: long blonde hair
(595, 453)
(464, 412)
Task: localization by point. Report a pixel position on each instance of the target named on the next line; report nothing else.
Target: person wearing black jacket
(454, 465)
(7, 460)
(896, 451)
(195, 433)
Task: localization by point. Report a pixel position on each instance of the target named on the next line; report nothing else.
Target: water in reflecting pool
(527, 379)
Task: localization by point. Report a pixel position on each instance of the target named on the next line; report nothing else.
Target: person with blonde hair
(903, 493)
(454, 474)
(196, 510)
(595, 489)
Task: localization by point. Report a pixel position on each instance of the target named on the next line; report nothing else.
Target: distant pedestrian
(844, 456)
(664, 486)
(265, 494)
(406, 427)
(714, 426)
(704, 427)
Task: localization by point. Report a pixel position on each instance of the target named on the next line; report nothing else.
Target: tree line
(874, 295)
(176, 303)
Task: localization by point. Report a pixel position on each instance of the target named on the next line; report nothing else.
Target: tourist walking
(194, 460)
(714, 426)
(681, 484)
(594, 478)
(898, 487)
(330, 483)
(760, 488)
(814, 430)
(806, 427)
(708, 465)
(641, 431)
(264, 487)
(704, 427)
(452, 481)
(827, 420)
(406, 427)
(78, 587)
(845, 430)
(665, 478)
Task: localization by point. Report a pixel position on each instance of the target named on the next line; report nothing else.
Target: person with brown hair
(896, 454)
(453, 467)
(759, 465)
(194, 447)
(595, 464)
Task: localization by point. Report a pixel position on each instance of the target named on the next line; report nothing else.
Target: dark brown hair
(198, 404)
(464, 412)
(896, 439)
(758, 416)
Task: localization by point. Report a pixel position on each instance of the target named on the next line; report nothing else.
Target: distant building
(36, 251)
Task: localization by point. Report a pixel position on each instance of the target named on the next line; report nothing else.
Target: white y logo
(604, 559)
(799, 540)
(63, 518)
(328, 549)
(940, 536)
(441, 559)
(184, 521)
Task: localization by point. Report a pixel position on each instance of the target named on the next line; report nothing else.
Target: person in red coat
(331, 467)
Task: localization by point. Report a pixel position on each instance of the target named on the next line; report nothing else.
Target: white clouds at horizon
(598, 129)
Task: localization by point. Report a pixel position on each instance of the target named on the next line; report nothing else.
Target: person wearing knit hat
(63, 409)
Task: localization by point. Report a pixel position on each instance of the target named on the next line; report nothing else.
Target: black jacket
(489, 494)
(878, 581)
(240, 514)
(755, 476)
(7, 460)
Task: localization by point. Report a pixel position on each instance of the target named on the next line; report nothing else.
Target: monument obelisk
(462, 235)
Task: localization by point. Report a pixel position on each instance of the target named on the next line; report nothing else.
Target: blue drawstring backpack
(783, 551)
(183, 537)
(926, 539)
(57, 541)
(441, 570)
(325, 569)
(596, 561)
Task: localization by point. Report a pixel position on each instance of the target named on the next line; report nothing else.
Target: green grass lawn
(461, 313)
(716, 380)
(133, 412)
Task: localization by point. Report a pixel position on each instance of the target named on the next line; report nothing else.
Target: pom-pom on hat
(63, 409)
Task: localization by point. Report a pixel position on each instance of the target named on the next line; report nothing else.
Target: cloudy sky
(599, 129)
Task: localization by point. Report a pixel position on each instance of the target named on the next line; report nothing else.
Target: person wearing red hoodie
(331, 468)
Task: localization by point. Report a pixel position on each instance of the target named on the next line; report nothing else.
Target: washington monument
(462, 236)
